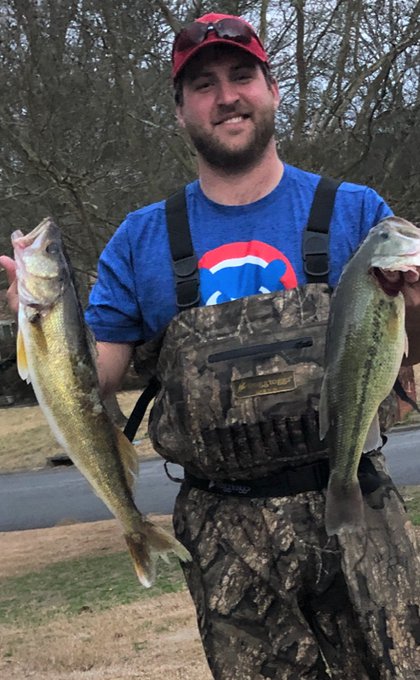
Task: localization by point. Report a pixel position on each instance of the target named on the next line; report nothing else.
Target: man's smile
(233, 119)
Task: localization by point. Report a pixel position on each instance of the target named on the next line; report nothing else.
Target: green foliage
(87, 584)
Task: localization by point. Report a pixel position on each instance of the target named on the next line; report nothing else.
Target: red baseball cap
(211, 29)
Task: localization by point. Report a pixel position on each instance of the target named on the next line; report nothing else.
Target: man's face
(228, 108)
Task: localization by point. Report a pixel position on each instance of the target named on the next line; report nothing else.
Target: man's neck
(254, 183)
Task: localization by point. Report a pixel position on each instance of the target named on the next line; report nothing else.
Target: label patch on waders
(267, 384)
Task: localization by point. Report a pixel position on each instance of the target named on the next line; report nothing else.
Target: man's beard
(232, 160)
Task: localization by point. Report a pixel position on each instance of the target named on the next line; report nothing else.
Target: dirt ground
(152, 640)
(27, 443)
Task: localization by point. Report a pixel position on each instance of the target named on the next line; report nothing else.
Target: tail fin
(146, 545)
(344, 506)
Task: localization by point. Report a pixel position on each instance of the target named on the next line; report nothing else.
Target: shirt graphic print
(240, 269)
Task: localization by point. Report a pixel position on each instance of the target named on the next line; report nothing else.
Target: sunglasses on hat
(228, 29)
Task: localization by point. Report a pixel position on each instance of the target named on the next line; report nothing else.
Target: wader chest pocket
(265, 382)
(227, 380)
(237, 379)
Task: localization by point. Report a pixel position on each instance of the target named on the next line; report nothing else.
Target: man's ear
(179, 116)
(276, 93)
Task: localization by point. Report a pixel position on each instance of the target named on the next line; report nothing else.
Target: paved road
(30, 500)
(402, 452)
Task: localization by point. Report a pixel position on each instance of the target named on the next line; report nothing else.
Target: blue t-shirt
(242, 250)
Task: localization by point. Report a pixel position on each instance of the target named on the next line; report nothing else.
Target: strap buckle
(185, 266)
(184, 259)
(315, 253)
(187, 283)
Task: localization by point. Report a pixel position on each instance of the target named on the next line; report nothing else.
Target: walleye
(56, 355)
(366, 341)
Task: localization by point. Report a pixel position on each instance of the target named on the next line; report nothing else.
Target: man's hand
(410, 288)
(12, 294)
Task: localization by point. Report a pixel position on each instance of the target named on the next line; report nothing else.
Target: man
(274, 596)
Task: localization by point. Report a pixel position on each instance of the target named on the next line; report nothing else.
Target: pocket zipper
(260, 350)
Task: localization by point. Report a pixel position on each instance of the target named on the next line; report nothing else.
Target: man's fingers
(12, 297)
(12, 292)
(412, 276)
(10, 266)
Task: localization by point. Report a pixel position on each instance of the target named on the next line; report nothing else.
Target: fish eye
(384, 235)
(52, 248)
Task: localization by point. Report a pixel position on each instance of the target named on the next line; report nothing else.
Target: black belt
(288, 482)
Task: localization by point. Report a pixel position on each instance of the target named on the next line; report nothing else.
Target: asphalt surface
(402, 452)
(44, 498)
(30, 500)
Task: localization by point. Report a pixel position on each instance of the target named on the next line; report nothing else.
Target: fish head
(41, 265)
(393, 245)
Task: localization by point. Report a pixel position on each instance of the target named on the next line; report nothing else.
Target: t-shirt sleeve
(374, 210)
(113, 312)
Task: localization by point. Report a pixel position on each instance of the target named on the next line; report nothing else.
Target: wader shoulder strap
(187, 286)
(315, 243)
(184, 260)
(139, 409)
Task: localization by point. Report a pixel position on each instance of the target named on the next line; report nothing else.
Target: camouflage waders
(275, 597)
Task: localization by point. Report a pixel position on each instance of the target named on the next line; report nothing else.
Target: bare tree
(87, 124)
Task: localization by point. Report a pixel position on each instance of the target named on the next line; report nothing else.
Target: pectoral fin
(406, 345)
(22, 362)
(373, 438)
(129, 457)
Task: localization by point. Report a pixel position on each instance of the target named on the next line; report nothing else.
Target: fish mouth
(390, 288)
(24, 240)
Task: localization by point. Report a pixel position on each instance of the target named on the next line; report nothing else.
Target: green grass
(92, 584)
(87, 584)
(411, 495)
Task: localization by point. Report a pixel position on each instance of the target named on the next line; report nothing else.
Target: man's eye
(203, 85)
(243, 76)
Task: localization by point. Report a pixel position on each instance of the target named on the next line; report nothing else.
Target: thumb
(10, 266)
(412, 275)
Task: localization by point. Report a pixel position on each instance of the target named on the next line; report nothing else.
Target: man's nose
(227, 93)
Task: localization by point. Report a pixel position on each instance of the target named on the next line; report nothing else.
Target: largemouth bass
(366, 341)
(56, 355)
